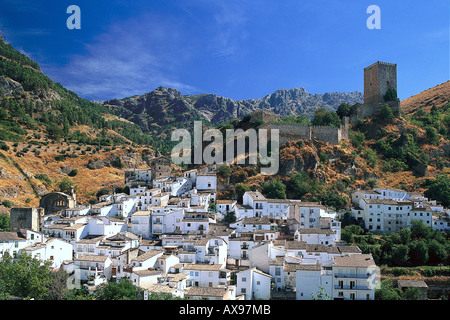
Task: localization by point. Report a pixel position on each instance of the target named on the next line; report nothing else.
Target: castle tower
(378, 78)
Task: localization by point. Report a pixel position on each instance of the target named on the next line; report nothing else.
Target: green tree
(387, 291)
(419, 230)
(436, 251)
(73, 173)
(64, 184)
(405, 235)
(391, 95)
(240, 189)
(224, 172)
(357, 139)
(4, 222)
(230, 217)
(418, 252)
(412, 294)
(385, 114)
(323, 117)
(400, 255)
(321, 294)
(274, 189)
(344, 110)
(438, 189)
(25, 277)
(57, 290)
(121, 290)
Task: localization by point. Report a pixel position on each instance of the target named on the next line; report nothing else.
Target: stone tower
(378, 78)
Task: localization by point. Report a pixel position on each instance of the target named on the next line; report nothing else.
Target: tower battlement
(379, 77)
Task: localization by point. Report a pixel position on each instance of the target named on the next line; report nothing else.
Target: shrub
(73, 173)
(7, 203)
(385, 114)
(391, 95)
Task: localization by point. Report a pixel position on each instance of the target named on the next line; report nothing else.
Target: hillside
(48, 135)
(399, 153)
(437, 96)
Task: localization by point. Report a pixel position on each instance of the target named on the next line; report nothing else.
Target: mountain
(438, 96)
(49, 134)
(165, 105)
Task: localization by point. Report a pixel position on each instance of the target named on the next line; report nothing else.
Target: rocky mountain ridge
(164, 105)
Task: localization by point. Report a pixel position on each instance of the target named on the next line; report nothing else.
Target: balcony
(352, 288)
(352, 276)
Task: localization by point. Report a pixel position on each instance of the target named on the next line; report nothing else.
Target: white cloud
(133, 57)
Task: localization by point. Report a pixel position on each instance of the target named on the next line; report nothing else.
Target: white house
(207, 293)
(135, 260)
(324, 236)
(309, 281)
(206, 181)
(12, 242)
(145, 278)
(254, 284)
(441, 221)
(140, 224)
(93, 266)
(166, 220)
(354, 277)
(207, 275)
(54, 250)
(254, 223)
(77, 211)
(105, 226)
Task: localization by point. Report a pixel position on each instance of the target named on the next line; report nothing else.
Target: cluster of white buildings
(389, 210)
(166, 238)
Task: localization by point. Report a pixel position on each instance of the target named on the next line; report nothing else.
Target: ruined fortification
(292, 131)
(379, 77)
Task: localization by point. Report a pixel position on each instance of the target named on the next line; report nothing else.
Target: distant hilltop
(152, 106)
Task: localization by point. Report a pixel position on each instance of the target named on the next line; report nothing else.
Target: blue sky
(237, 49)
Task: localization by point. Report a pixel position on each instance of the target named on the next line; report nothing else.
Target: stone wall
(293, 132)
(25, 218)
(289, 132)
(264, 115)
(362, 111)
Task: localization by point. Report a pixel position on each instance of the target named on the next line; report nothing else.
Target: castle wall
(362, 111)
(289, 132)
(326, 133)
(25, 218)
(293, 132)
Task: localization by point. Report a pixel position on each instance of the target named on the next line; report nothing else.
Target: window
(243, 290)
(258, 283)
(244, 279)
